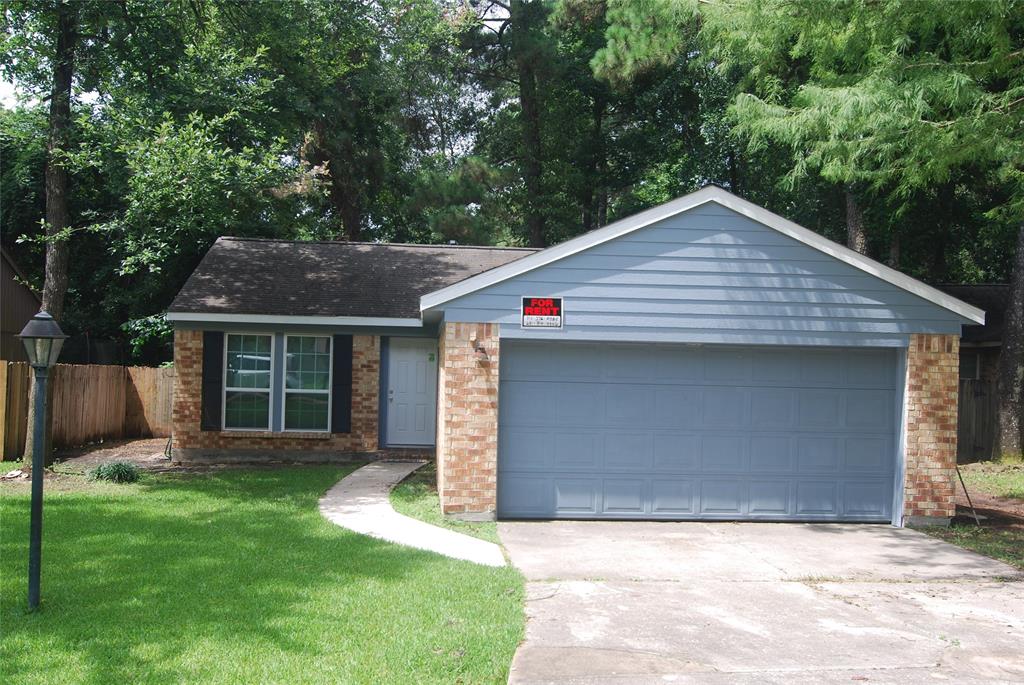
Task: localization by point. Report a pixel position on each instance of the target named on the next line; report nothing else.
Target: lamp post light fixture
(43, 339)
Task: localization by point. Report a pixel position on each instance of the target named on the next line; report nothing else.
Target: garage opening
(677, 432)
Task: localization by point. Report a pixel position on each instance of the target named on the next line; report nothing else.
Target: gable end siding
(710, 275)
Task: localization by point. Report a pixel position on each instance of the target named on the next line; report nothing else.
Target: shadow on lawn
(229, 561)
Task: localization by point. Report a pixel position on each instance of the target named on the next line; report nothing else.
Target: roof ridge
(372, 244)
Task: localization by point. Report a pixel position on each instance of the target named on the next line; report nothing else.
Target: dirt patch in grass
(1001, 534)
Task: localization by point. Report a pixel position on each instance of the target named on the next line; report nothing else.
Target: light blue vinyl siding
(710, 275)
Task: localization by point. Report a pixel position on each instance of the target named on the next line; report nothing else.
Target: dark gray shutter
(341, 386)
(213, 378)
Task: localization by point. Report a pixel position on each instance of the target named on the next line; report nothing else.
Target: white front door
(412, 391)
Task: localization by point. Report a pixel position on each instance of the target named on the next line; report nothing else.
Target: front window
(247, 374)
(307, 382)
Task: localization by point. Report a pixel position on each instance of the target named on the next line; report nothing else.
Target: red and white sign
(542, 312)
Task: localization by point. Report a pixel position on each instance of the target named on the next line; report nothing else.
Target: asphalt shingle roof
(282, 277)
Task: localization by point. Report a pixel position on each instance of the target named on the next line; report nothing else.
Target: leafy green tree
(900, 102)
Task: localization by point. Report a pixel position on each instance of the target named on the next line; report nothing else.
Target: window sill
(297, 435)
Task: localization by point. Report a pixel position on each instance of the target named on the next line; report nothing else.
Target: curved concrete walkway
(360, 502)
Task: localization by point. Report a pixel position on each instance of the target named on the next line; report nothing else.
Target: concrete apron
(622, 602)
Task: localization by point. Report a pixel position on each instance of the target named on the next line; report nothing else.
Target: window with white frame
(247, 381)
(307, 383)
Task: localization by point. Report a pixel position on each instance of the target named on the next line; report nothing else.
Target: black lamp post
(43, 339)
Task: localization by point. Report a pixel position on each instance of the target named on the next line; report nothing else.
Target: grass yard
(416, 496)
(995, 479)
(234, 577)
(998, 493)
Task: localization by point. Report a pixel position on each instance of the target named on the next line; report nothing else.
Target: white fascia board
(685, 203)
(188, 317)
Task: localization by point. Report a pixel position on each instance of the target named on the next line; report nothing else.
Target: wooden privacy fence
(90, 403)
(978, 420)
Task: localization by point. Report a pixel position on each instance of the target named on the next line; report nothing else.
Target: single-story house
(704, 359)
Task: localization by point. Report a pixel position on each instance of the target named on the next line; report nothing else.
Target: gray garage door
(685, 432)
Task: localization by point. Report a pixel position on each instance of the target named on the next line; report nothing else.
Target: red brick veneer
(191, 443)
(467, 419)
(932, 386)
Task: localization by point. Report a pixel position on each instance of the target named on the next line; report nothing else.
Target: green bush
(116, 472)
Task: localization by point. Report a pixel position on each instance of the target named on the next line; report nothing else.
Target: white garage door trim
(818, 453)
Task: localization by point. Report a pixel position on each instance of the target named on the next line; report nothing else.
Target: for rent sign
(542, 312)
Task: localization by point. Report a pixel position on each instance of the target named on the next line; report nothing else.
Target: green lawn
(235, 577)
(416, 496)
(1002, 542)
(994, 478)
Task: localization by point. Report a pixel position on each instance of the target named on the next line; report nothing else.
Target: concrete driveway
(624, 602)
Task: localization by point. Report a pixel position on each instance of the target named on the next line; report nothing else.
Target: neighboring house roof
(994, 298)
(243, 279)
(682, 204)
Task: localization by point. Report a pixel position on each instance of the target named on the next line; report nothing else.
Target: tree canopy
(510, 122)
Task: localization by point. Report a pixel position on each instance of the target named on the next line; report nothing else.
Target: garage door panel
(677, 432)
(723, 453)
(819, 454)
(677, 452)
(624, 496)
(866, 453)
(729, 364)
(723, 407)
(721, 497)
(672, 497)
(867, 498)
(525, 496)
(816, 498)
(577, 451)
(628, 451)
(819, 409)
(576, 495)
(866, 370)
(820, 368)
(535, 449)
(769, 498)
(629, 404)
(579, 403)
(677, 407)
(869, 409)
(773, 408)
(771, 454)
(526, 404)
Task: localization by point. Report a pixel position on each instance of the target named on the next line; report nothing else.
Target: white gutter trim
(189, 317)
(682, 204)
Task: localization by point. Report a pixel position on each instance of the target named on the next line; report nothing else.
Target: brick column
(467, 419)
(933, 369)
(187, 404)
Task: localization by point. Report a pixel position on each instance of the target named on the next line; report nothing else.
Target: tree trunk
(530, 124)
(1011, 360)
(894, 250)
(55, 284)
(346, 202)
(856, 237)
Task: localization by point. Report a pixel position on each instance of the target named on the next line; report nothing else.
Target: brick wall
(932, 386)
(192, 444)
(467, 419)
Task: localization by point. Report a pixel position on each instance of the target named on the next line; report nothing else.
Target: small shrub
(115, 472)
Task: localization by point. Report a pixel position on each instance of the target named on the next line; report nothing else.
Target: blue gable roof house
(703, 359)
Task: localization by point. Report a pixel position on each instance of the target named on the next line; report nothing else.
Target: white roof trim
(682, 204)
(188, 317)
